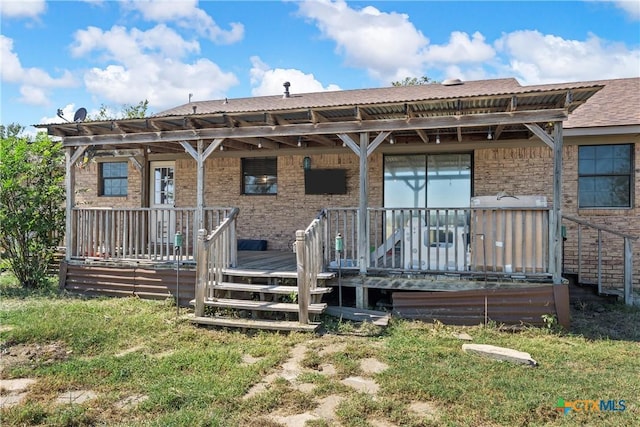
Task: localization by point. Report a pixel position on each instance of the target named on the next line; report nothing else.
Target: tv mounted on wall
(325, 181)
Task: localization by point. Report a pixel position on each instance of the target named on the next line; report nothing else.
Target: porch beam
(350, 143)
(363, 246)
(71, 156)
(556, 231)
(540, 133)
(404, 124)
(376, 142)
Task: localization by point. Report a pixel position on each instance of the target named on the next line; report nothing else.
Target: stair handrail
(628, 255)
(309, 246)
(217, 251)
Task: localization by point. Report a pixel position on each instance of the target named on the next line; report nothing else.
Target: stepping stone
(363, 385)
(131, 401)
(424, 410)
(500, 353)
(247, 359)
(327, 369)
(305, 387)
(16, 385)
(11, 399)
(327, 408)
(299, 420)
(76, 397)
(372, 366)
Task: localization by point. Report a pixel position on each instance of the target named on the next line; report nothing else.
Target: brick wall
(86, 187)
(276, 218)
(529, 170)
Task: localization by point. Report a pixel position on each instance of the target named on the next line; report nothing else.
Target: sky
(104, 53)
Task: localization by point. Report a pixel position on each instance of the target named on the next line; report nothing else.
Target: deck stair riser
(266, 289)
(282, 307)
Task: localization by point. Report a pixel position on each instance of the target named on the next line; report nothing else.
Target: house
(489, 190)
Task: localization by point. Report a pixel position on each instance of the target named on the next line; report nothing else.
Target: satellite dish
(80, 115)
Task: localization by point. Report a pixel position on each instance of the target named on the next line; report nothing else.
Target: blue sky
(71, 54)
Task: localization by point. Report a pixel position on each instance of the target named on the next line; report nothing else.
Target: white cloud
(379, 41)
(147, 65)
(370, 39)
(187, 14)
(631, 7)
(268, 81)
(35, 83)
(461, 49)
(22, 8)
(129, 45)
(538, 58)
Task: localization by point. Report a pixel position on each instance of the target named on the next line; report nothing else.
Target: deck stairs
(261, 299)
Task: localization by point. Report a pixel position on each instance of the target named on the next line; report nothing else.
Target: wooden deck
(268, 264)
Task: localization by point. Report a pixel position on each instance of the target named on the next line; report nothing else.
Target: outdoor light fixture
(438, 138)
(259, 144)
(222, 148)
(392, 140)
(489, 135)
(306, 163)
(299, 141)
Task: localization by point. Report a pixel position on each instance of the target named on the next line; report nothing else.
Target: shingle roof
(617, 104)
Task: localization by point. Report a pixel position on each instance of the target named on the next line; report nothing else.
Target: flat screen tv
(325, 181)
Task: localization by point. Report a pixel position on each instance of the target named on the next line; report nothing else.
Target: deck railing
(310, 247)
(593, 253)
(138, 233)
(446, 240)
(216, 252)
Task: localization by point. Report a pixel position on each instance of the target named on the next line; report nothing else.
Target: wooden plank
(262, 305)
(277, 325)
(267, 289)
(303, 283)
(266, 274)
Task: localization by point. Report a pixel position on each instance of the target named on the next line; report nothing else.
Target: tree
(414, 81)
(32, 198)
(127, 111)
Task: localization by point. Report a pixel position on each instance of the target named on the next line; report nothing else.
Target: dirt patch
(129, 403)
(363, 385)
(130, 350)
(425, 410)
(29, 354)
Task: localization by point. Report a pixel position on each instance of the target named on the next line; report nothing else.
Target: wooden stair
(256, 299)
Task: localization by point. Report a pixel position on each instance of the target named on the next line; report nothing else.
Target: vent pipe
(286, 90)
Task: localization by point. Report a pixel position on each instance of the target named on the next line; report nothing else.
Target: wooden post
(363, 249)
(556, 231)
(303, 284)
(200, 186)
(201, 274)
(68, 182)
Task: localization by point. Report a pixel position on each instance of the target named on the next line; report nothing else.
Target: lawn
(138, 363)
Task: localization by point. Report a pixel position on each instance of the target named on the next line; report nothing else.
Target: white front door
(163, 218)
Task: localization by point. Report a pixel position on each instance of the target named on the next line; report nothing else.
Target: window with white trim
(114, 178)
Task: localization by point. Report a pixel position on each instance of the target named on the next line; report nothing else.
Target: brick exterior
(86, 187)
(275, 218)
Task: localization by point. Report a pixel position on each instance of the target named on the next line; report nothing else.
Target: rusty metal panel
(507, 306)
(145, 283)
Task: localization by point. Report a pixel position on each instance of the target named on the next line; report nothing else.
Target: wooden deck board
(267, 289)
(277, 325)
(262, 305)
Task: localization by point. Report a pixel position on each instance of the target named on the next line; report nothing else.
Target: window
(260, 176)
(605, 176)
(113, 179)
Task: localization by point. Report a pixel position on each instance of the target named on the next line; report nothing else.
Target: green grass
(195, 376)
